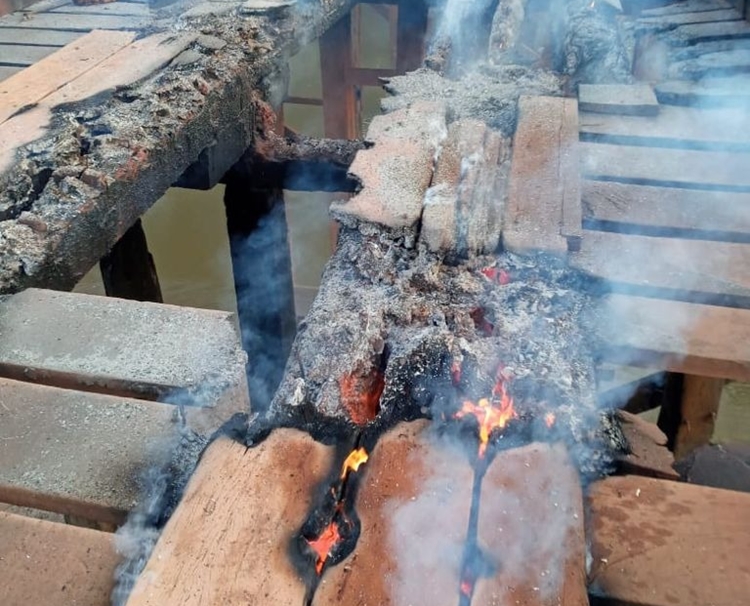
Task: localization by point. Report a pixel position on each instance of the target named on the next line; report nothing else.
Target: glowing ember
(323, 545)
(466, 588)
(360, 396)
(549, 419)
(500, 276)
(353, 462)
(456, 371)
(491, 414)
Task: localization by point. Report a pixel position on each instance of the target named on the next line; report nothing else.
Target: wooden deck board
(54, 564)
(42, 433)
(543, 177)
(34, 84)
(704, 32)
(682, 127)
(121, 9)
(666, 167)
(689, 338)
(666, 211)
(21, 55)
(661, 543)
(732, 91)
(75, 23)
(6, 72)
(623, 99)
(229, 540)
(686, 6)
(695, 270)
(676, 19)
(20, 35)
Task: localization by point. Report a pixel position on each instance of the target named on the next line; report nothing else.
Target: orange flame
(491, 414)
(323, 545)
(549, 419)
(353, 462)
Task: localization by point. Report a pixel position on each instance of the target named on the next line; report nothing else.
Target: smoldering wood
(128, 270)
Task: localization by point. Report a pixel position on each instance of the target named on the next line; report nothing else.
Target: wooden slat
(695, 270)
(704, 32)
(7, 72)
(34, 84)
(42, 465)
(128, 65)
(682, 127)
(122, 9)
(686, 6)
(541, 176)
(19, 55)
(724, 63)
(54, 564)
(674, 19)
(667, 211)
(660, 543)
(229, 541)
(623, 99)
(75, 23)
(42, 6)
(689, 338)
(666, 167)
(698, 411)
(41, 37)
(732, 91)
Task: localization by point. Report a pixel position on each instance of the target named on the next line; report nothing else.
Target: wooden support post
(699, 408)
(261, 262)
(340, 104)
(128, 271)
(412, 26)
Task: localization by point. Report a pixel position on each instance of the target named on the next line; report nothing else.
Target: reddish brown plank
(54, 564)
(34, 84)
(542, 181)
(703, 340)
(660, 543)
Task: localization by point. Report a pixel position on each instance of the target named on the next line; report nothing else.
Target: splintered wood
(229, 541)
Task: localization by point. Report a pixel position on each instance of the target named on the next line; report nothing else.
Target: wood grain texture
(23, 55)
(54, 564)
(673, 19)
(654, 541)
(689, 338)
(20, 35)
(698, 411)
(620, 99)
(228, 541)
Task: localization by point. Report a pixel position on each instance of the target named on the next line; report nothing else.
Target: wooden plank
(708, 170)
(698, 411)
(648, 454)
(41, 433)
(704, 32)
(724, 63)
(340, 108)
(20, 35)
(623, 99)
(229, 540)
(6, 72)
(128, 65)
(75, 23)
(666, 211)
(653, 542)
(42, 6)
(686, 6)
(694, 270)
(19, 55)
(54, 564)
(676, 19)
(681, 127)
(732, 91)
(681, 337)
(34, 84)
(122, 9)
(537, 184)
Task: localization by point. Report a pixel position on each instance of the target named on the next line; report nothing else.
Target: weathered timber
(652, 540)
(695, 339)
(49, 37)
(546, 563)
(620, 99)
(686, 6)
(23, 55)
(679, 127)
(7, 72)
(34, 84)
(76, 23)
(668, 21)
(341, 111)
(414, 508)
(543, 178)
(54, 564)
(666, 211)
(507, 23)
(700, 271)
(731, 91)
(698, 410)
(711, 65)
(690, 169)
(262, 267)
(139, 140)
(128, 270)
(129, 348)
(229, 540)
(43, 431)
(685, 35)
(140, 9)
(648, 455)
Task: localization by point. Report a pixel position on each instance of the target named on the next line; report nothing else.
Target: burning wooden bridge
(438, 415)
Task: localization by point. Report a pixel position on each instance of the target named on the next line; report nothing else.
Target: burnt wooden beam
(128, 270)
(341, 111)
(261, 263)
